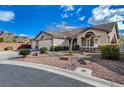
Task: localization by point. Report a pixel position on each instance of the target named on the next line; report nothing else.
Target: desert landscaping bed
(45, 59)
(106, 69)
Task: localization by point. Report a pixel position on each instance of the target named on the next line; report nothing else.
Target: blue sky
(30, 20)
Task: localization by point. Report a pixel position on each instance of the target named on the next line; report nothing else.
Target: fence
(14, 45)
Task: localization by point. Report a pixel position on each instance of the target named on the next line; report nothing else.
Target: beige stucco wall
(103, 36)
(46, 36)
(33, 44)
(111, 34)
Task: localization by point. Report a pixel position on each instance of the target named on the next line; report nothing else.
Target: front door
(92, 41)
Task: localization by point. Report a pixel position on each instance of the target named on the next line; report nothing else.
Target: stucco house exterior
(89, 37)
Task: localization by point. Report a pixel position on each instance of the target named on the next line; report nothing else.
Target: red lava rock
(64, 58)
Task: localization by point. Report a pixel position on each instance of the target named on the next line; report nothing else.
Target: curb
(67, 73)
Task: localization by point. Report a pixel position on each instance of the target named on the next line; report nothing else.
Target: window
(96, 41)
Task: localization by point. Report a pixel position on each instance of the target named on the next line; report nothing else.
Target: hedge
(63, 48)
(58, 48)
(110, 52)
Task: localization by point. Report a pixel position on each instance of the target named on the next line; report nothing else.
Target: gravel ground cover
(106, 69)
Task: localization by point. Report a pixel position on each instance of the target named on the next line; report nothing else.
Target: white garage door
(122, 46)
(45, 43)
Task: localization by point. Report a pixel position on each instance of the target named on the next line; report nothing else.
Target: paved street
(18, 76)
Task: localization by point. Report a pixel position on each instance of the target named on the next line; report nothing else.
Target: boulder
(84, 53)
(87, 62)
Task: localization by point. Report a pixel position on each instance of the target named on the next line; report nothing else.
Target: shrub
(52, 48)
(1, 40)
(110, 52)
(65, 47)
(75, 47)
(44, 50)
(8, 48)
(58, 48)
(24, 52)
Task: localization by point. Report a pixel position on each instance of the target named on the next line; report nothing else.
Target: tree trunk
(71, 45)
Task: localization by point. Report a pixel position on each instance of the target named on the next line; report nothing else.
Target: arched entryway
(91, 39)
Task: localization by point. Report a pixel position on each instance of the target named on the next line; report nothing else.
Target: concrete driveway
(19, 76)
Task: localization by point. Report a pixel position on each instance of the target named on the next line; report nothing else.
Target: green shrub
(52, 48)
(75, 47)
(8, 48)
(1, 40)
(24, 52)
(110, 52)
(58, 48)
(65, 48)
(44, 50)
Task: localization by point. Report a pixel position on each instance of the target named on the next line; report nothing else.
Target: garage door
(45, 43)
(122, 46)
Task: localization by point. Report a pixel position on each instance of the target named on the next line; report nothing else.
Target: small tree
(63, 29)
(1, 40)
(71, 45)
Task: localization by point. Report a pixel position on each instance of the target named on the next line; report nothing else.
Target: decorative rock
(35, 54)
(81, 70)
(81, 60)
(72, 65)
(84, 53)
(64, 58)
(87, 62)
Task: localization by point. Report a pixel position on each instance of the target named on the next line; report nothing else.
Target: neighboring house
(89, 37)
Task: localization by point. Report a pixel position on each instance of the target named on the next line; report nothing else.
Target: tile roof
(102, 27)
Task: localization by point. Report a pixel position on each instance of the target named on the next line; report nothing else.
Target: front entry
(90, 40)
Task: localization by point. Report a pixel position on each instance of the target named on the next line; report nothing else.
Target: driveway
(19, 76)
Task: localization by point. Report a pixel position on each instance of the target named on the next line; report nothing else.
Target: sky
(29, 20)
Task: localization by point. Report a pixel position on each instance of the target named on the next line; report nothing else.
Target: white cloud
(78, 11)
(23, 35)
(65, 26)
(70, 27)
(65, 15)
(7, 16)
(105, 14)
(67, 7)
(81, 18)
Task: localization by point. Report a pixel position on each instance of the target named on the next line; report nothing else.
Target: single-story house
(89, 37)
